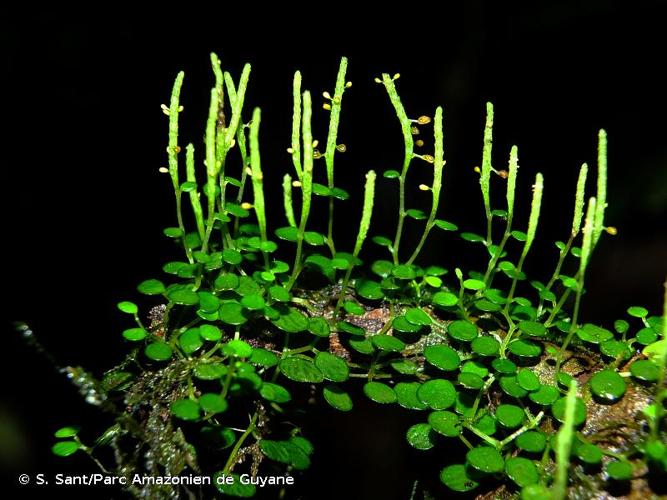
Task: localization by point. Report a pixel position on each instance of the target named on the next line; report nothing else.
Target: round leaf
(608, 386)
(301, 369)
(379, 392)
(337, 397)
(485, 459)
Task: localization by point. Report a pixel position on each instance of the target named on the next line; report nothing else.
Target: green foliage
(241, 333)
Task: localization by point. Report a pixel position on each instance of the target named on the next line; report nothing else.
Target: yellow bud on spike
(423, 120)
(396, 76)
(341, 148)
(348, 85)
(315, 143)
(245, 205)
(424, 187)
(419, 143)
(296, 184)
(611, 230)
(165, 109)
(327, 106)
(377, 80)
(163, 170)
(478, 170)
(326, 95)
(290, 150)
(428, 158)
(414, 130)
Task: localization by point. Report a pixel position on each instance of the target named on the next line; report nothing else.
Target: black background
(83, 137)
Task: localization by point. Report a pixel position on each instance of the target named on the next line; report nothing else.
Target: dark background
(83, 137)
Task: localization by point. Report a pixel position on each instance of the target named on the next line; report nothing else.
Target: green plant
(208, 386)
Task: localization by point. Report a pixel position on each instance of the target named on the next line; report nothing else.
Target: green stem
(232, 456)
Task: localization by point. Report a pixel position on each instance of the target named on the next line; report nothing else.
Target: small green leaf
(274, 393)
(213, 403)
(370, 290)
(443, 357)
(528, 380)
(209, 371)
(532, 328)
(445, 225)
(485, 459)
(473, 284)
(65, 448)
(472, 237)
(531, 441)
(210, 332)
(608, 386)
(420, 436)
(262, 357)
(387, 343)
(462, 330)
(290, 320)
(594, 334)
(287, 233)
(135, 334)
(525, 348)
(337, 397)
(485, 346)
(444, 299)
(128, 307)
(588, 453)
(504, 366)
(456, 478)
(151, 287)
(546, 395)
(232, 257)
(65, 432)
(231, 312)
(347, 327)
(406, 395)
(190, 341)
(391, 174)
(619, 470)
(172, 232)
(445, 422)
(402, 325)
(437, 394)
(238, 348)
(379, 392)
(185, 409)
(183, 296)
(332, 367)
(318, 326)
(158, 351)
(510, 416)
(522, 471)
(418, 317)
(637, 312)
(510, 386)
(558, 410)
(645, 370)
(301, 369)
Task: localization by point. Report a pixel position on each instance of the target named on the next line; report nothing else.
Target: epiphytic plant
(485, 359)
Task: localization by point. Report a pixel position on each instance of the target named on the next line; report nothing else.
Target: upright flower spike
(174, 105)
(287, 200)
(194, 193)
(306, 183)
(601, 203)
(237, 107)
(589, 235)
(564, 445)
(334, 120)
(534, 218)
(257, 176)
(367, 212)
(511, 181)
(485, 176)
(579, 200)
(436, 188)
(296, 124)
(364, 225)
(332, 147)
(406, 130)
